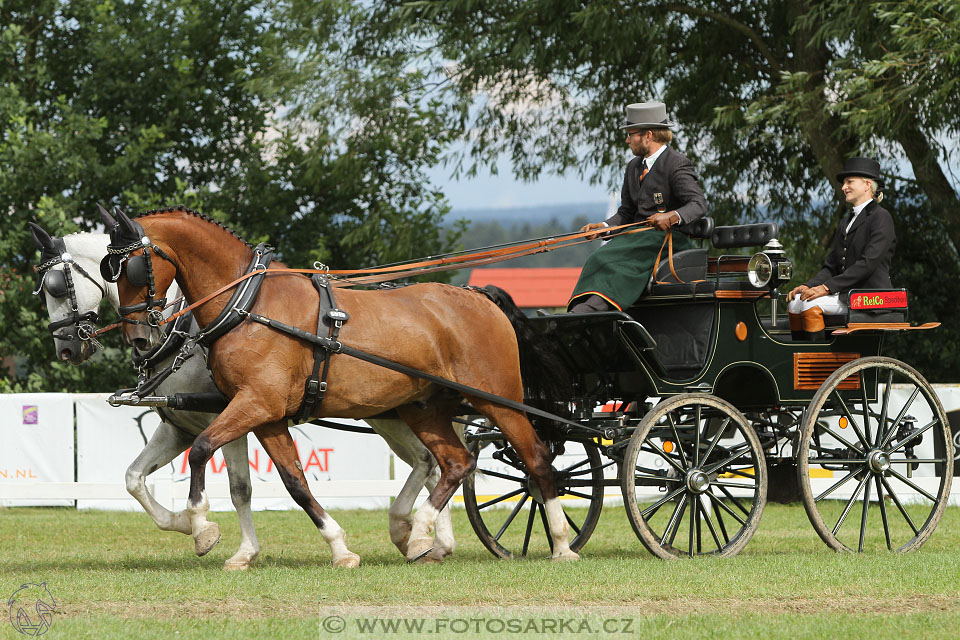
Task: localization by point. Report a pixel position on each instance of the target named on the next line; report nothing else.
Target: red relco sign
(879, 300)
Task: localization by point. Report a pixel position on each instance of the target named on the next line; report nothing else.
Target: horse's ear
(108, 221)
(126, 223)
(40, 237)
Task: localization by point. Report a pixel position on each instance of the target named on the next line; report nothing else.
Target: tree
(771, 96)
(246, 111)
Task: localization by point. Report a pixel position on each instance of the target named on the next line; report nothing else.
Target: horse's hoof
(207, 539)
(430, 558)
(240, 562)
(419, 548)
(566, 556)
(349, 561)
(437, 554)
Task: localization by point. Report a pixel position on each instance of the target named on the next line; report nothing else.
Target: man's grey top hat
(647, 115)
(862, 168)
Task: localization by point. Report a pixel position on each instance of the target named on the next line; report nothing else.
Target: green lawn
(114, 575)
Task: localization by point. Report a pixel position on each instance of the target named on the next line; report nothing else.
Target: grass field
(114, 575)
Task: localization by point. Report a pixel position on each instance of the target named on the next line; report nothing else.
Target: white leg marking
(336, 538)
(205, 534)
(421, 536)
(559, 531)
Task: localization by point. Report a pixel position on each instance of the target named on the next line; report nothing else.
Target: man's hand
(590, 226)
(814, 292)
(797, 290)
(663, 221)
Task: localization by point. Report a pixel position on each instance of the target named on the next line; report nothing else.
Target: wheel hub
(697, 481)
(878, 461)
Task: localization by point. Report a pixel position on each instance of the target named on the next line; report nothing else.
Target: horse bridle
(59, 284)
(139, 274)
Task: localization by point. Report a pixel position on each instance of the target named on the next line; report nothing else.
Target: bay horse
(451, 332)
(72, 314)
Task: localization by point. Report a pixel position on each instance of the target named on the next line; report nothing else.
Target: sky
(504, 191)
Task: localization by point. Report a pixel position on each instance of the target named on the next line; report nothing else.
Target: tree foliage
(254, 112)
(771, 98)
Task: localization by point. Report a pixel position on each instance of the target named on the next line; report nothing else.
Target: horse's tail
(547, 384)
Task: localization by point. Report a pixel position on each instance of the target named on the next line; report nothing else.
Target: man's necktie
(643, 169)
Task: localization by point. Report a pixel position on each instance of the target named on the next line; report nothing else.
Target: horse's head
(140, 268)
(69, 279)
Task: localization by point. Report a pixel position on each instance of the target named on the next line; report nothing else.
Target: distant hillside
(510, 216)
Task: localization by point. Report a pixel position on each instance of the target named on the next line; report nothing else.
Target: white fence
(73, 449)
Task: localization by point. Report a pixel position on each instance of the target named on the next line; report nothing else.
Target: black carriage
(699, 403)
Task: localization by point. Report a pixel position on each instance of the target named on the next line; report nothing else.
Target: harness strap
(316, 385)
(338, 347)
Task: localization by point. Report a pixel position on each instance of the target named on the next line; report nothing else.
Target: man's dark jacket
(860, 258)
(673, 177)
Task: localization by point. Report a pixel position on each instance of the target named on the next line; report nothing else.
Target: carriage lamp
(770, 268)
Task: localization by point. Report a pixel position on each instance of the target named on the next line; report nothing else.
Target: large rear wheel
(875, 474)
(694, 479)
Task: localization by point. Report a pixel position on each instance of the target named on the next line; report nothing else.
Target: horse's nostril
(66, 354)
(141, 344)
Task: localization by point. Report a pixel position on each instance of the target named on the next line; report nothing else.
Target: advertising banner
(36, 430)
(110, 438)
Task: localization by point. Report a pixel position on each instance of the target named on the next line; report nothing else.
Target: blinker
(55, 283)
(137, 271)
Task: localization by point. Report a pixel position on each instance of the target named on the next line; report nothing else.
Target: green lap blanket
(619, 270)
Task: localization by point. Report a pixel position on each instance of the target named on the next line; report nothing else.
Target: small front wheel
(694, 479)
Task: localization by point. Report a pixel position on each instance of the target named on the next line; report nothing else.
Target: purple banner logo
(30, 414)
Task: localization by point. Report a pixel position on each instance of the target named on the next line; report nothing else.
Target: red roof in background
(531, 288)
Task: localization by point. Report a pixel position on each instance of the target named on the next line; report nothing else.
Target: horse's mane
(203, 217)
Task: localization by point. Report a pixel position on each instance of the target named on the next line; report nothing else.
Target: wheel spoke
(646, 513)
(546, 526)
(734, 485)
(503, 476)
(529, 531)
(513, 514)
(696, 451)
(902, 478)
(841, 439)
(720, 522)
(740, 451)
(730, 497)
(573, 525)
(717, 501)
(836, 486)
(884, 407)
(896, 423)
(918, 461)
(915, 434)
(506, 496)
(693, 524)
(674, 522)
(646, 476)
(866, 410)
(896, 501)
(585, 496)
(853, 423)
(863, 518)
(655, 449)
(853, 498)
(716, 439)
(836, 461)
(673, 427)
(713, 531)
(883, 512)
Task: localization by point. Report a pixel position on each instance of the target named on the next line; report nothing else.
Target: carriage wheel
(875, 474)
(506, 509)
(694, 478)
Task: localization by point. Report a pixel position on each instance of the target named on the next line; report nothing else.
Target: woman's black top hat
(863, 168)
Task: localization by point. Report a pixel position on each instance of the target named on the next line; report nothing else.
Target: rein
(394, 272)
